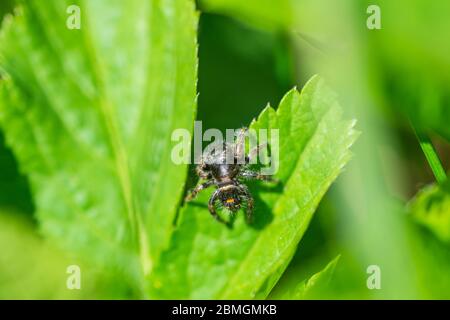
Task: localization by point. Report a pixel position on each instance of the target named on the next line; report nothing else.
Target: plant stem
(432, 157)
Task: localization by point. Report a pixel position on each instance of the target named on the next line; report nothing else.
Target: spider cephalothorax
(225, 166)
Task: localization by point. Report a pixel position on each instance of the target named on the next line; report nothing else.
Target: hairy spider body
(224, 166)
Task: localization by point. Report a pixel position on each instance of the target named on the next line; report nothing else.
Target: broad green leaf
(431, 208)
(307, 288)
(89, 115)
(208, 260)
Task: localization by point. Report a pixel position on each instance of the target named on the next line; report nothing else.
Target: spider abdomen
(230, 196)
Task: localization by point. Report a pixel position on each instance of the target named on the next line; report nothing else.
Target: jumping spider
(226, 176)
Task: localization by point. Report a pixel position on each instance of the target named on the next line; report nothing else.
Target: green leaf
(308, 288)
(431, 208)
(207, 260)
(432, 157)
(89, 115)
(431, 260)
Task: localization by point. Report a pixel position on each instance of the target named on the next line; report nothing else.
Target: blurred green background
(395, 81)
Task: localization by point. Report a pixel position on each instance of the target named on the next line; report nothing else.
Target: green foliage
(415, 89)
(432, 157)
(432, 260)
(17, 279)
(14, 190)
(431, 208)
(89, 115)
(90, 122)
(411, 61)
(209, 261)
(33, 268)
(5, 7)
(310, 287)
(268, 14)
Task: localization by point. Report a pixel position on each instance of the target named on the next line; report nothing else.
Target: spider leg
(254, 152)
(239, 152)
(202, 171)
(249, 174)
(193, 193)
(245, 193)
(212, 207)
